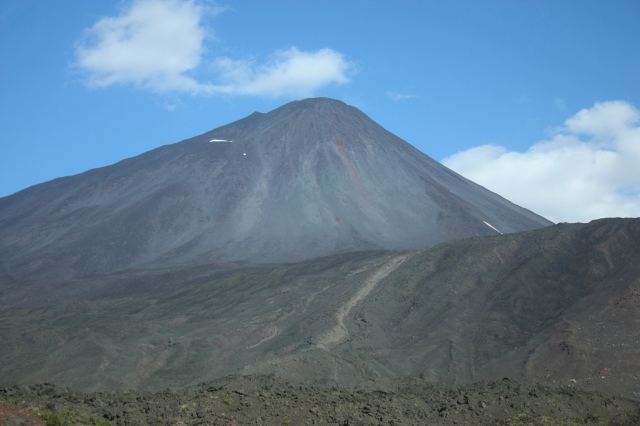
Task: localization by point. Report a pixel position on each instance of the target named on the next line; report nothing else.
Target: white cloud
(401, 96)
(560, 104)
(588, 169)
(152, 43)
(288, 72)
(158, 44)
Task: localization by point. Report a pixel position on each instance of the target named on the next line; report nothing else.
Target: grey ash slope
(558, 305)
(311, 178)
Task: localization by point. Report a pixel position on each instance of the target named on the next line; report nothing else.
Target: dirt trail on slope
(339, 332)
(273, 332)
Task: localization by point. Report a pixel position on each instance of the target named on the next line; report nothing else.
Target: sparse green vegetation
(67, 418)
(529, 420)
(277, 402)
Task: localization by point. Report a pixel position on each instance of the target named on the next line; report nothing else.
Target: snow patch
(491, 226)
(220, 140)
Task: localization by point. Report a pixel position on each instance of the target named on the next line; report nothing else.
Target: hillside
(558, 305)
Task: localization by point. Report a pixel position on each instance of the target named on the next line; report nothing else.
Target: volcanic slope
(313, 177)
(559, 305)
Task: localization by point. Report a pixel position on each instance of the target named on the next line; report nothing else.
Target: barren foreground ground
(264, 400)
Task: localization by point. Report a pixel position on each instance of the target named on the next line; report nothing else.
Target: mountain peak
(310, 178)
(317, 102)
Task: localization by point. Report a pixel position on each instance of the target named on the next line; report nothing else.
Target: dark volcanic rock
(263, 400)
(311, 178)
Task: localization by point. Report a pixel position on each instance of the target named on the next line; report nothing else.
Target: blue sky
(536, 100)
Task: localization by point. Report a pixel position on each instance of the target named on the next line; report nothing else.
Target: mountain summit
(310, 178)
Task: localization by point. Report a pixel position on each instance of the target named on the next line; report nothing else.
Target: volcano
(311, 178)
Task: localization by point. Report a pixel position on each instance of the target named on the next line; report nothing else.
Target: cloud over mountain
(587, 169)
(158, 45)
(288, 72)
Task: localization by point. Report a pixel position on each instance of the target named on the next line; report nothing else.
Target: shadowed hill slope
(313, 177)
(558, 305)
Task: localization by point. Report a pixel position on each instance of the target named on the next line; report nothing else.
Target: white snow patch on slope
(491, 226)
